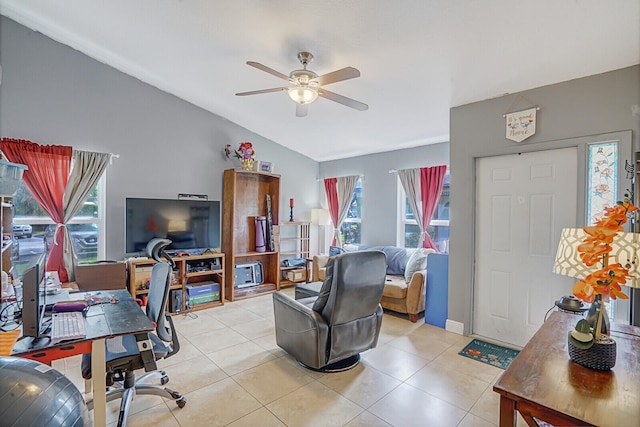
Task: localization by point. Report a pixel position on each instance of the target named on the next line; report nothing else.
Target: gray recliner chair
(328, 333)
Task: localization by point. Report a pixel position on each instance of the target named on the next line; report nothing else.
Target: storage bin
(203, 288)
(200, 294)
(10, 176)
(296, 275)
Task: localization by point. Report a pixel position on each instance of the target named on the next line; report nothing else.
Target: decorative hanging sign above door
(521, 125)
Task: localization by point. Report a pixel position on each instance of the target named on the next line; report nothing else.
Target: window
(33, 229)
(408, 229)
(351, 227)
(602, 179)
(602, 191)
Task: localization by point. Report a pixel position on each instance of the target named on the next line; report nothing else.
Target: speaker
(215, 264)
(175, 306)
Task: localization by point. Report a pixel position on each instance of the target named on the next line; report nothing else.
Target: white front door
(522, 203)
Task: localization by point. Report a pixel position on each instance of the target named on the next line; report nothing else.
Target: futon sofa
(404, 289)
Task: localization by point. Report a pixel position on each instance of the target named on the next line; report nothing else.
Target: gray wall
(380, 188)
(571, 113)
(52, 94)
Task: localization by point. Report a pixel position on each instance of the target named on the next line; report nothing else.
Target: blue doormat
(488, 353)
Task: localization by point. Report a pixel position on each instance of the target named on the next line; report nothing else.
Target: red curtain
(431, 180)
(330, 188)
(46, 178)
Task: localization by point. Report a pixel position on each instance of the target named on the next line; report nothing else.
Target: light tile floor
(233, 373)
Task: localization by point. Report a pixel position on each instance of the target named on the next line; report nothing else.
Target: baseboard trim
(455, 327)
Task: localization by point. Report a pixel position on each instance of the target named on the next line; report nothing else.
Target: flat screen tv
(189, 224)
(33, 298)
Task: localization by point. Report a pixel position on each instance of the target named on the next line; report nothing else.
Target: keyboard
(67, 326)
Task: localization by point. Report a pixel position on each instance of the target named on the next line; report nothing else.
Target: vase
(600, 356)
(247, 164)
(592, 315)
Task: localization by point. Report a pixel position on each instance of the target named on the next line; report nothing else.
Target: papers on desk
(99, 298)
(52, 285)
(87, 298)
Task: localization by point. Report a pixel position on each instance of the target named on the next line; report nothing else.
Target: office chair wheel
(174, 394)
(181, 402)
(164, 380)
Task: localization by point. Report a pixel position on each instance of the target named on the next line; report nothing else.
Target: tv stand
(208, 270)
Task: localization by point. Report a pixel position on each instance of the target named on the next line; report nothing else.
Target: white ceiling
(417, 58)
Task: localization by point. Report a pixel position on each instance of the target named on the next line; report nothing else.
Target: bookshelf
(293, 243)
(244, 199)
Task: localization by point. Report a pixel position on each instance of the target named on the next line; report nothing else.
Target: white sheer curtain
(410, 180)
(87, 169)
(345, 186)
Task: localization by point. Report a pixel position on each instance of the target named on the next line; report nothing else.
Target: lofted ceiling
(417, 58)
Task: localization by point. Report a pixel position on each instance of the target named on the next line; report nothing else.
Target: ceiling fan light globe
(303, 76)
(303, 95)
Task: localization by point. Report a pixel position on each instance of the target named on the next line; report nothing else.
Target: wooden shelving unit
(245, 198)
(210, 269)
(293, 242)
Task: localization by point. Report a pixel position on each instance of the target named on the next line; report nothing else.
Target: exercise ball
(34, 394)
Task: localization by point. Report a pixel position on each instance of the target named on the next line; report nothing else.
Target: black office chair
(122, 354)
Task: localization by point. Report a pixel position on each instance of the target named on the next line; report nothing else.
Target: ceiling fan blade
(271, 71)
(302, 110)
(342, 100)
(338, 76)
(256, 92)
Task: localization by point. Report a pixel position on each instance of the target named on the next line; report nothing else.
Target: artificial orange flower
(596, 247)
(617, 215)
(584, 291)
(592, 253)
(617, 293)
(602, 233)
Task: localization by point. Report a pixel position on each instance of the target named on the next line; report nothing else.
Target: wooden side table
(543, 383)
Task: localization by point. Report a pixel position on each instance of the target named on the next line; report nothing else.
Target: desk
(102, 321)
(542, 382)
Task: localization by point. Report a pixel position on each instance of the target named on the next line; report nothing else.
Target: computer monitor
(33, 300)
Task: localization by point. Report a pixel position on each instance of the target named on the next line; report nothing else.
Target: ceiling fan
(307, 85)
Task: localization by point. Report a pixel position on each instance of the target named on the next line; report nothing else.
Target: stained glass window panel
(602, 179)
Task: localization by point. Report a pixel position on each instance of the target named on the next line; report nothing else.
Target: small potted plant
(244, 152)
